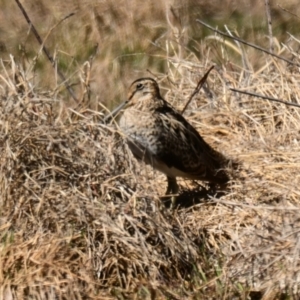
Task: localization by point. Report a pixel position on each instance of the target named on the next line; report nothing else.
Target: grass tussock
(70, 207)
(80, 218)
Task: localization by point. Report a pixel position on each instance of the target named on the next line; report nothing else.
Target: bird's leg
(172, 189)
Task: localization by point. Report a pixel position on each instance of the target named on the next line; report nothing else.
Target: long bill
(115, 111)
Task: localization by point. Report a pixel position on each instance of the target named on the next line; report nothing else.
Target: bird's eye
(139, 86)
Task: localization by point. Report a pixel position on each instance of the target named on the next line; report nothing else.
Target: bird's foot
(172, 191)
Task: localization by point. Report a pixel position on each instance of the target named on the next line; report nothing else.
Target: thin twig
(197, 89)
(266, 97)
(269, 19)
(248, 44)
(50, 58)
(284, 9)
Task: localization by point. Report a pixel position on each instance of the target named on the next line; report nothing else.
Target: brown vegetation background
(81, 219)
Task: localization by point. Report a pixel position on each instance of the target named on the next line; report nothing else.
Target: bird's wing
(184, 148)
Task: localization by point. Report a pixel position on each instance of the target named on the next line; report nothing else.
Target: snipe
(161, 137)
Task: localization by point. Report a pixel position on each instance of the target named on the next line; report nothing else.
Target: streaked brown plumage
(160, 136)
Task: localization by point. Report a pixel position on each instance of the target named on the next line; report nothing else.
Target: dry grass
(81, 219)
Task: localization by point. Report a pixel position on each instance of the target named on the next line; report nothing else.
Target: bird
(160, 136)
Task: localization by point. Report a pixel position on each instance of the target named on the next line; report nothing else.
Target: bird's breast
(141, 131)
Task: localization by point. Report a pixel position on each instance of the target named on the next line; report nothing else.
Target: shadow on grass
(190, 197)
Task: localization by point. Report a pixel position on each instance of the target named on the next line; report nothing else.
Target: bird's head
(142, 94)
(142, 91)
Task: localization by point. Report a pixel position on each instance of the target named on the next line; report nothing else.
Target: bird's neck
(148, 103)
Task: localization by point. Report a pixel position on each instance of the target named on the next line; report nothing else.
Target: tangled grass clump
(70, 210)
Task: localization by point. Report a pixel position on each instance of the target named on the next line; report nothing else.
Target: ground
(80, 218)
